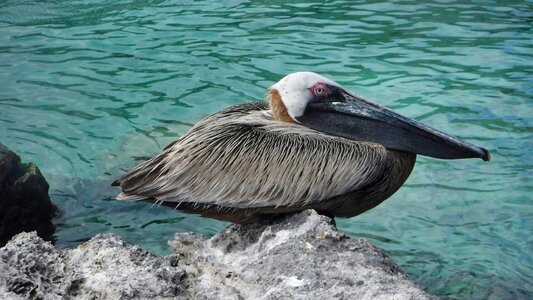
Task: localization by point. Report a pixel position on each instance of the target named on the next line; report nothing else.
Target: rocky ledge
(301, 256)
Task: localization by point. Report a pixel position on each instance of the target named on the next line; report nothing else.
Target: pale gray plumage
(241, 158)
(257, 159)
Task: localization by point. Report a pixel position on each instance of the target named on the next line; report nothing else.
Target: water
(88, 90)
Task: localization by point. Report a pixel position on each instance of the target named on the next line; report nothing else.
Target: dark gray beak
(358, 119)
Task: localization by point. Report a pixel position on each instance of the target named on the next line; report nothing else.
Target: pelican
(311, 144)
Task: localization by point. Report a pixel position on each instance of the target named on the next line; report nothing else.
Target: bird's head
(322, 104)
(290, 96)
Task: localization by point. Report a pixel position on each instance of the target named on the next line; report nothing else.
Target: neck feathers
(279, 110)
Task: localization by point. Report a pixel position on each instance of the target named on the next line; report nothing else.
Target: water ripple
(89, 88)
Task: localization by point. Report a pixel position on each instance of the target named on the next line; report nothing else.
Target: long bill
(359, 119)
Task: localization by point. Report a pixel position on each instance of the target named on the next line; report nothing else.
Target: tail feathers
(126, 197)
(140, 180)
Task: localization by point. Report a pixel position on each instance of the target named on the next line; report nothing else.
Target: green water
(89, 89)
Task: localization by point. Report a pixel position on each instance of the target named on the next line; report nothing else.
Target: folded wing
(240, 158)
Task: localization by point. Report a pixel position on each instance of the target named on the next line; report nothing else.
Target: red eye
(319, 89)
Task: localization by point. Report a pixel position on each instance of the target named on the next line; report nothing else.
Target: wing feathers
(241, 158)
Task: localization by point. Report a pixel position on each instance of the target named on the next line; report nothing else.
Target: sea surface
(88, 89)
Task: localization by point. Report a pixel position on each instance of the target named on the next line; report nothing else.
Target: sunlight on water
(90, 89)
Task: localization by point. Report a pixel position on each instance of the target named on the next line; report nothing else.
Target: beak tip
(486, 154)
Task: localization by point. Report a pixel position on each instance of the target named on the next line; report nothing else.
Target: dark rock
(24, 201)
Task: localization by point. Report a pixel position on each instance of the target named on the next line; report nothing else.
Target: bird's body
(257, 159)
(247, 164)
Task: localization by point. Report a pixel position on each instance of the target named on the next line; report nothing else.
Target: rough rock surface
(102, 268)
(24, 201)
(300, 256)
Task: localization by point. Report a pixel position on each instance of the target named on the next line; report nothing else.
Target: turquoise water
(89, 89)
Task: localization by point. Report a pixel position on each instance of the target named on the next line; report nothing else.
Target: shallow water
(87, 90)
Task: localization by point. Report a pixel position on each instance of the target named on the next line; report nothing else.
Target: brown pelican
(312, 144)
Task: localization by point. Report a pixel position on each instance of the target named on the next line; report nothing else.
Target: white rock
(300, 256)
